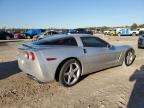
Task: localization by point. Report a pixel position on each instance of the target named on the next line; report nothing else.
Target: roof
(64, 35)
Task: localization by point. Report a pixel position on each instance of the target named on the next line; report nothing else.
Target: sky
(70, 13)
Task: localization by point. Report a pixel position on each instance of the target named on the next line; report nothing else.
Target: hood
(123, 47)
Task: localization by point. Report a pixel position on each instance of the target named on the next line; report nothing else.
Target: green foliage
(141, 26)
(134, 26)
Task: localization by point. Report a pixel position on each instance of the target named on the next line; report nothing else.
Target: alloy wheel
(72, 73)
(129, 58)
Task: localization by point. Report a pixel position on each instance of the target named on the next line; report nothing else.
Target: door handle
(85, 51)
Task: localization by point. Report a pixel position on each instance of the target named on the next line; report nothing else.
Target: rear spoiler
(29, 47)
(25, 45)
(32, 47)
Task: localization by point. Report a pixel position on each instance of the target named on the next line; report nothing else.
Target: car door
(98, 54)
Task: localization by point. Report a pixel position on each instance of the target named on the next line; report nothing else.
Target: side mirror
(109, 46)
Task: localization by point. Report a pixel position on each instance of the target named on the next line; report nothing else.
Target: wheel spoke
(71, 67)
(76, 69)
(67, 73)
(129, 61)
(129, 54)
(69, 79)
(74, 76)
(129, 58)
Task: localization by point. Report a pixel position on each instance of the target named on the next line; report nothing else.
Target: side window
(93, 42)
(68, 41)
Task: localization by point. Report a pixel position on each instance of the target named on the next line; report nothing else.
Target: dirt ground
(119, 87)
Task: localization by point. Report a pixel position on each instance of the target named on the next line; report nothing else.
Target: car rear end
(141, 41)
(30, 61)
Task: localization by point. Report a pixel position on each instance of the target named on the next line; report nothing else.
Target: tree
(141, 26)
(104, 28)
(134, 26)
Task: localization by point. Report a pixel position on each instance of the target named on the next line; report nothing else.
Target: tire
(24, 37)
(133, 34)
(139, 47)
(129, 57)
(119, 34)
(70, 73)
(28, 37)
(8, 37)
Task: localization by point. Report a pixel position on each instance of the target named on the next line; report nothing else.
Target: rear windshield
(67, 41)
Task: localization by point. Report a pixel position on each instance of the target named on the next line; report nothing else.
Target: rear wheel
(129, 57)
(8, 38)
(28, 37)
(139, 47)
(119, 34)
(70, 73)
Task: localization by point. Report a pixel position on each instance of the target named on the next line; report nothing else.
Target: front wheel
(133, 34)
(129, 57)
(70, 73)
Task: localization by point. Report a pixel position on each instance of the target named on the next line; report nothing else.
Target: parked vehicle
(5, 35)
(32, 32)
(107, 32)
(140, 29)
(67, 57)
(19, 35)
(126, 32)
(45, 34)
(113, 33)
(78, 31)
(141, 40)
(141, 32)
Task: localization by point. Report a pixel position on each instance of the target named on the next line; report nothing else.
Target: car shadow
(3, 43)
(8, 68)
(85, 76)
(136, 99)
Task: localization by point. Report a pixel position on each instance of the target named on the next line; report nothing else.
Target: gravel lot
(119, 87)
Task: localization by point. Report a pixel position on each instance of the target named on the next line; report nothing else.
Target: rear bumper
(35, 69)
(141, 43)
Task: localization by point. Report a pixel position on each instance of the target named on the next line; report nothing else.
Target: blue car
(32, 32)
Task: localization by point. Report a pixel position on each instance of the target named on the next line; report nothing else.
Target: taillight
(30, 55)
(27, 55)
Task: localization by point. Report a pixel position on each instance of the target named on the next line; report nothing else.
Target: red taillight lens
(31, 56)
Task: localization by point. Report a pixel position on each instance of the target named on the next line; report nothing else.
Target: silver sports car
(65, 58)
